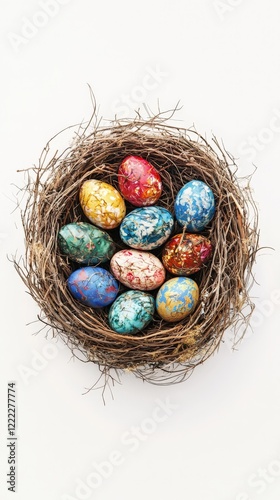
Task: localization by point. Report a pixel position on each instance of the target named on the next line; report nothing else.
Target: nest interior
(164, 352)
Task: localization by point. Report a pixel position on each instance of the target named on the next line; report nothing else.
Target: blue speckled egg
(146, 228)
(93, 286)
(131, 312)
(177, 298)
(195, 206)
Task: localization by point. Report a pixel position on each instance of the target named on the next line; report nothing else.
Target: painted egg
(138, 270)
(186, 254)
(195, 206)
(93, 286)
(177, 298)
(146, 228)
(139, 181)
(131, 312)
(85, 243)
(102, 204)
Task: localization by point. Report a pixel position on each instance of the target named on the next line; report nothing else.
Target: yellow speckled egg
(177, 298)
(102, 203)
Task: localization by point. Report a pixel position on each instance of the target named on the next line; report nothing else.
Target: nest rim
(166, 352)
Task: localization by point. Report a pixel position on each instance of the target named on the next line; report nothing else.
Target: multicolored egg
(146, 228)
(93, 286)
(85, 243)
(102, 204)
(131, 312)
(138, 270)
(139, 182)
(195, 206)
(186, 253)
(177, 298)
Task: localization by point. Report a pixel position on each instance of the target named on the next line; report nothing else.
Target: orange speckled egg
(186, 254)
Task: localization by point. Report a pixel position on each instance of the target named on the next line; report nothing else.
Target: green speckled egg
(85, 243)
(131, 312)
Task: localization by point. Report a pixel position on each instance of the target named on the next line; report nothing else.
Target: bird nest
(163, 352)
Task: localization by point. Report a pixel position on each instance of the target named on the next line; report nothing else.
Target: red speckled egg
(139, 181)
(186, 254)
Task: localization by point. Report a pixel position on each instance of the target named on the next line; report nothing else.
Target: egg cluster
(143, 230)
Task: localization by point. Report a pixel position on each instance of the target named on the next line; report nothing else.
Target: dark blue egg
(93, 286)
(131, 312)
(146, 228)
(195, 206)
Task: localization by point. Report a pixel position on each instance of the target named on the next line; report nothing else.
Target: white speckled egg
(138, 270)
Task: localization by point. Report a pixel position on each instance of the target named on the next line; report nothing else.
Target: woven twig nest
(164, 352)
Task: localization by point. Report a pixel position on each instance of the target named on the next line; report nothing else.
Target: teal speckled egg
(177, 298)
(146, 228)
(131, 312)
(85, 243)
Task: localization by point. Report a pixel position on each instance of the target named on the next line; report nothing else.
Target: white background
(221, 439)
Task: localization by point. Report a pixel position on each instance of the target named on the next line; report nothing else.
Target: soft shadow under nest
(164, 353)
